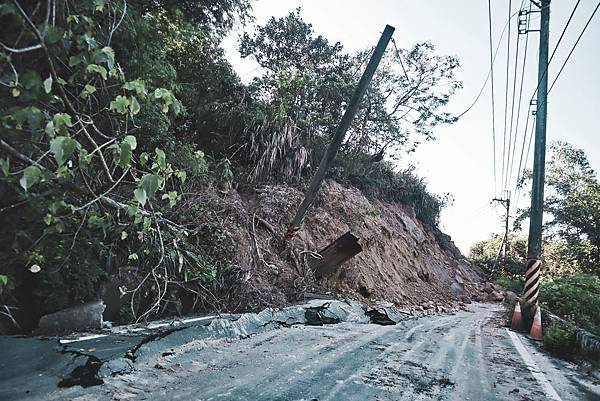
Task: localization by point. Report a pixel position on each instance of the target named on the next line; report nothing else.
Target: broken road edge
(91, 369)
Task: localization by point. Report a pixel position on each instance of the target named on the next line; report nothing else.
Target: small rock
(115, 367)
(497, 296)
(456, 288)
(510, 298)
(386, 314)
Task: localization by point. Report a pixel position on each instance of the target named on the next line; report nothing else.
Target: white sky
(460, 160)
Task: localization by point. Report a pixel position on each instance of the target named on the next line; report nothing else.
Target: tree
(299, 98)
(177, 44)
(307, 81)
(87, 106)
(405, 100)
(572, 204)
(485, 254)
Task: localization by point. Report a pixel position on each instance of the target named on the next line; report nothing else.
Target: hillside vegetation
(123, 128)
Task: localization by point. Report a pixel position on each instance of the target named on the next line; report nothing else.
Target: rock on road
(465, 356)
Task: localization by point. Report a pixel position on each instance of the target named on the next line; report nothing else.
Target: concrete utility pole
(340, 132)
(534, 242)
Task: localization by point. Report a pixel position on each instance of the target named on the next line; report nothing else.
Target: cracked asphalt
(465, 356)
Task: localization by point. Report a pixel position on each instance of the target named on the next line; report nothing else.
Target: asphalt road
(466, 356)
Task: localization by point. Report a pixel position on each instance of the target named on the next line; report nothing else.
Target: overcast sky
(460, 160)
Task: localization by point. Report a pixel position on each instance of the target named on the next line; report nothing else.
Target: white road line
(83, 338)
(533, 368)
(198, 319)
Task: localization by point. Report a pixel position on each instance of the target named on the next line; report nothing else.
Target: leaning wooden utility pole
(340, 131)
(534, 242)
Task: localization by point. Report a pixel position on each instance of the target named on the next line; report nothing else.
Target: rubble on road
(387, 314)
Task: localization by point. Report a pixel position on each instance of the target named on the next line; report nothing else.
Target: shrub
(379, 180)
(511, 283)
(185, 157)
(574, 298)
(560, 340)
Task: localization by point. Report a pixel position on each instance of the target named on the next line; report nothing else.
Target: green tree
(573, 205)
(307, 81)
(176, 44)
(87, 107)
(485, 254)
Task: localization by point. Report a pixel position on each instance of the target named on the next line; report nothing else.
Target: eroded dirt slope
(403, 261)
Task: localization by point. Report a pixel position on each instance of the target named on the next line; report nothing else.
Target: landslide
(403, 260)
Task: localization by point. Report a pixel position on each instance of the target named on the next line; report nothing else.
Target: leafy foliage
(560, 340)
(573, 202)
(555, 259)
(485, 254)
(83, 183)
(514, 284)
(575, 298)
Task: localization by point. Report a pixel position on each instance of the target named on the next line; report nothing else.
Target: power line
(490, 71)
(574, 46)
(525, 164)
(492, 76)
(558, 43)
(401, 62)
(503, 177)
(519, 102)
(564, 30)
(512, 145)
(519, 172)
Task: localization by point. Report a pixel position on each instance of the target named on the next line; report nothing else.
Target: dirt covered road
(465, 356)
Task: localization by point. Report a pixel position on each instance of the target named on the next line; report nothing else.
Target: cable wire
(492, 58)
(519, 102)
(558, 43)
(503, 177)
(487, 78)
(574, 46)
(525, 131)
(516, 202)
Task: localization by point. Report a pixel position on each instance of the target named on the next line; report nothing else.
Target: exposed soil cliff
(403, 261)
